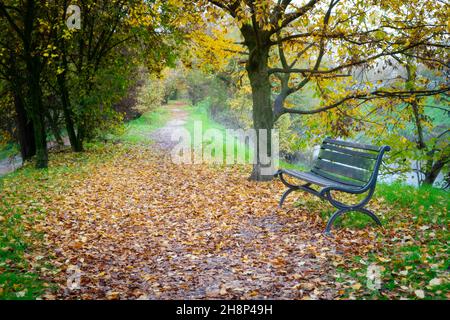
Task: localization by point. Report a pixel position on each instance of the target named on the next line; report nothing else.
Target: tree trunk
(35, 106)
(25, 130)
(75, 142)
(53, 123)
(433, 170)
(263, 119)
(36, 115)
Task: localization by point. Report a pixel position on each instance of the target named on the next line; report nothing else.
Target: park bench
(344, 167)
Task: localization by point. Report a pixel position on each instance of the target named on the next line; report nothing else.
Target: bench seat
(318, 180)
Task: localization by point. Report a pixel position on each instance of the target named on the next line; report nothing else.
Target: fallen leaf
(111, 295)
(356, 286)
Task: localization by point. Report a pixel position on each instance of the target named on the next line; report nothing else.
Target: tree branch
(290, 17)
(343, 66)
(230, 7)
(365, 96)
(4, 12)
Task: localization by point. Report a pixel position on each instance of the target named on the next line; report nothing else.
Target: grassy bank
(140, 129)
(200, 114)
(413, 250)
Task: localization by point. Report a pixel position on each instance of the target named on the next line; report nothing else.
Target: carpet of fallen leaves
(137, 226)
(140, 227)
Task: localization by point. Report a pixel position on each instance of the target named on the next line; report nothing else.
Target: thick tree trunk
(263, 119)
(37, 116)
(25, 130)
(35, 105)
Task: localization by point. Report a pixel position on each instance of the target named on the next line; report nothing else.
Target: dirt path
(10, 164)
(178, 117)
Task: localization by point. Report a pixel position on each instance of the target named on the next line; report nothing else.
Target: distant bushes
(151, 95)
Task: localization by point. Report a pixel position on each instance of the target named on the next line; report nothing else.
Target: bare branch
(366, 96)
(286, 91)
(343, 66)
(230, 7)
(290, 17)
(4, 12)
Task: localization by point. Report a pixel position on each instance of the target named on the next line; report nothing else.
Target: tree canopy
(372, 66)
(352, 54)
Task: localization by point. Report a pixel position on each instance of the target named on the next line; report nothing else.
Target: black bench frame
(329, 183)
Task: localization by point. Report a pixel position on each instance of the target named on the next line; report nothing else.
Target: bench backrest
(349, 163)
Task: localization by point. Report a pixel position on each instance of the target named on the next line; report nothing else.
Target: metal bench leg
(370, 214)
(336, 215)
(343, 208)
(285, 194)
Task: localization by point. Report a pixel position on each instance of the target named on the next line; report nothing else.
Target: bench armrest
(373, 179)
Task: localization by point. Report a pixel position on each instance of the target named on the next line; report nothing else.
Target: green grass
(414, 249)
(199, 115)
(17, 282)
(298, 166)
(140, 129)
(405, 269)
(427, 203)
(9, 150)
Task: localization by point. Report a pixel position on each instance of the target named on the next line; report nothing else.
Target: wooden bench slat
(350, 152)
(354, 161)
(352, 144)
(317, 179)
(346, 182)
(342, 170)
